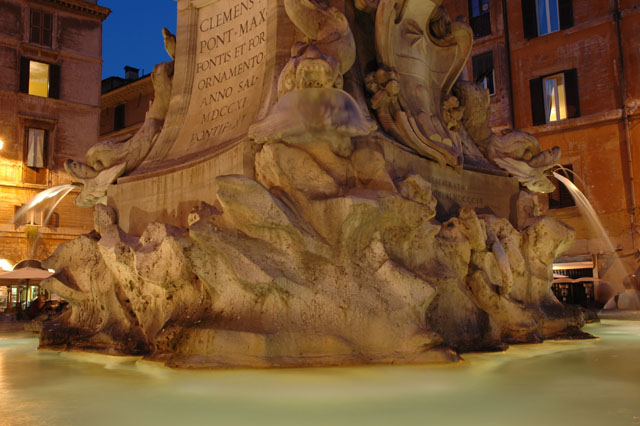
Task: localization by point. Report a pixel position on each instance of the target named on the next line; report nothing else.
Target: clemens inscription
(229, 71)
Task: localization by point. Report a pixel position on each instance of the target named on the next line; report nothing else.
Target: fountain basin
(558, 382)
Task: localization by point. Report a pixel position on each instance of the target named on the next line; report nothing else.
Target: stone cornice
(79, 6)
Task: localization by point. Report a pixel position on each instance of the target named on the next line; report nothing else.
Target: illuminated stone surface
(272, 222)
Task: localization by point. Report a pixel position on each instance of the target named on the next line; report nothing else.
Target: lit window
(35, 147)
(41, 27)
(554, 97)
(38, 79)
(555, 101)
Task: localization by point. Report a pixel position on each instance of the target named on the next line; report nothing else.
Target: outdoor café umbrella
(27, 273)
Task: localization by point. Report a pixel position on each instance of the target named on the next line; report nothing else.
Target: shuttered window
(39, 78)
(41, 28)
(554, 97)
(483, 71)
(540, 17)
(480, 17)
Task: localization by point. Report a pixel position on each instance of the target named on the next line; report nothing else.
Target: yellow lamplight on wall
(5, 265)
(1, 144)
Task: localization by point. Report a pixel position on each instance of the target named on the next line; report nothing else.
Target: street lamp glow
(5, 265)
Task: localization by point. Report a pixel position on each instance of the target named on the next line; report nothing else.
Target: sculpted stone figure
(311, 106)
(108, 160)
(517, 152)
(328, 52)
(421, 54)
(417, 103)
(334, 248)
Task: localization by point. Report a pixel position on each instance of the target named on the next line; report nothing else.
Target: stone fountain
(313, 185)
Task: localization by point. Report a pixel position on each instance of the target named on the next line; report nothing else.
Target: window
(34, 216)
(483, 71)
(480, 18)
(561, 197)
(41, 28)
(39, 78)
(554, 97)
(555, 102)
(542, 17)
(35, 147)
(547, 15)
(118, 117)
(35, 156)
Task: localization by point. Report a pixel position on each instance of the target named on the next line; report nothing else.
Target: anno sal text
(231, 54)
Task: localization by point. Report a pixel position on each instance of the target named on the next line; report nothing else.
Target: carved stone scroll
(426, 52)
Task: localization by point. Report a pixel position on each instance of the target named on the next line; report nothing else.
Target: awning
(28, 273)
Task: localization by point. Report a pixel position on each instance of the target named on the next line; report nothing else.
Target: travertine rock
(328, 279)
(103, 217)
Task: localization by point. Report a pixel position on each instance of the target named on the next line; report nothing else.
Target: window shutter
(54, 81)
(571, 89)
(36, 26)
(119, 117)
(47, 29)
(565, 10)
(482, 66)
(529, 19)
(24, 75)
(537, 101)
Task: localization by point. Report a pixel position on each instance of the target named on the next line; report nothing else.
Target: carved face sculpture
(309, 69)
(316, 70)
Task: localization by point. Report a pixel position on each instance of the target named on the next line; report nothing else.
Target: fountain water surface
(595, 382)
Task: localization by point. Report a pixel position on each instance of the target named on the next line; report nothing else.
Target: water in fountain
(594, 382)
(589, 214)
(49, 199)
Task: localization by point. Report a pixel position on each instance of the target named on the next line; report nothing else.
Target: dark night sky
(132, 34)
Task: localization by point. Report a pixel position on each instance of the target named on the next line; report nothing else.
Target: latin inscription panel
(231, 67)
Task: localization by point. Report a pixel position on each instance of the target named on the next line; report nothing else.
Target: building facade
(50, 63)
(566, 72)
(125, 102)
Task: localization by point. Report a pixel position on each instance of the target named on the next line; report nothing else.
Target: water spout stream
(594, 223)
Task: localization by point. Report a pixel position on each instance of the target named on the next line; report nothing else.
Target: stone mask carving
(309, 68)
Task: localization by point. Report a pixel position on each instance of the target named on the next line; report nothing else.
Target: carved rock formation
(325, 273)
(330, 253)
